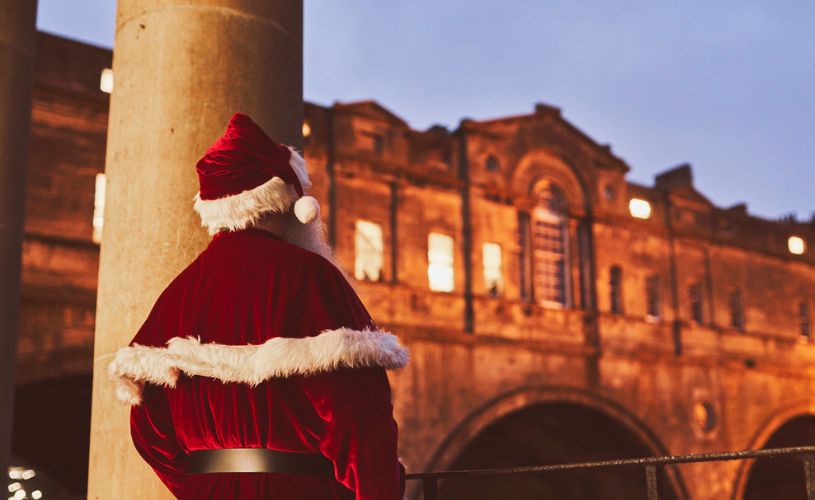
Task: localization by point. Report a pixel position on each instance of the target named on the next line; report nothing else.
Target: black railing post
(809, 475)
(430, 488)
(652, 482)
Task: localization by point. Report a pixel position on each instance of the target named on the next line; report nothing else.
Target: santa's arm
(151, 428)
(354, 402)
(359, 433)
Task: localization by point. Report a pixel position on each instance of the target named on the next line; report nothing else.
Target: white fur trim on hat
(252, 364)
(237, 211)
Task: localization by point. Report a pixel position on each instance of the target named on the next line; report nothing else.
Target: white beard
(311, 236)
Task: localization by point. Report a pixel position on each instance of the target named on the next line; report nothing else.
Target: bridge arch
(56, 447)
(790, 425)
(537, 411)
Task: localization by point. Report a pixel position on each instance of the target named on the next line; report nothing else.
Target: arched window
(550, 248)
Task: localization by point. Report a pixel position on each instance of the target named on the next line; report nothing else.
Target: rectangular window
(440, 262)
(106, 81)
(736, 310)
(549, 253)
(99, 207)
(368, 250)
(695, 293)
(493, 278)
(803, 317)
(523, 258)
(371, 141)
(616, 289)
(653, 296)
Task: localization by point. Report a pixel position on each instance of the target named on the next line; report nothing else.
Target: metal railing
(652, 466)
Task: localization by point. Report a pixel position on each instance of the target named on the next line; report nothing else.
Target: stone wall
(679, 385)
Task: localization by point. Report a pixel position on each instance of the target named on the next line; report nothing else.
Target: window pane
(616, 289)
(523, 260)
(696, 303)
(736, 311)
(440, 262)
(549, 256)
(803, 316)
(368, 251)
(99, 207)
(493, 277)
(652, 293)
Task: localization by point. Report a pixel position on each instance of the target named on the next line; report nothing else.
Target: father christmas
(259, 374)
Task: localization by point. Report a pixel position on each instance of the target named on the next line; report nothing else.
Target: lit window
(653, 297)
(640, 209)
(736, 310)
(440, 262)
(803, 319)
(99, 208)
(616, 289)
(796, 245)
(493, 279)
(106, 81)
(306, 129)
(368, 247)
(549, 248)
(696, 312)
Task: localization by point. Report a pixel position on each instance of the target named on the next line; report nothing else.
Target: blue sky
(728, 86)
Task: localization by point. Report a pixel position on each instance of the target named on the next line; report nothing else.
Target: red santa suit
(260, 343)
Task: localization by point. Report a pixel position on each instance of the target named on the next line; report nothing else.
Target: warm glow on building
(106, 81)
(368, 248)
(440, 262)
(306, 129)
(641, 209)
(493, 278)
(796, 245)
(99, 208)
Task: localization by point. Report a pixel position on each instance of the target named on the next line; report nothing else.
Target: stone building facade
(555, 311)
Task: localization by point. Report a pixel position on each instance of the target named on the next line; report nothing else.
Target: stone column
(181, 68)
(17, 41)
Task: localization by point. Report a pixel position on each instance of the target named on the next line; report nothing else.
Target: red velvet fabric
(244, 157)
(245, 288)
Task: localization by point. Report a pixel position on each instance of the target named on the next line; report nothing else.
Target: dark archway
(52, 429)
(553, 433)
(771, 478)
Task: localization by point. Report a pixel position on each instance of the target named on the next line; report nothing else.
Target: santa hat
(245, 174)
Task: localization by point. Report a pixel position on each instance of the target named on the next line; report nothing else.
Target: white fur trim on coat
(251, 364)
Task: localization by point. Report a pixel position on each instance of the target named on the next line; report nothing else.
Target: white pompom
(306, 209)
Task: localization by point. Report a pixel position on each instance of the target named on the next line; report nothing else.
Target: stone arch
(544, 165)
(523, 398)
(57, 448)
(769, 427)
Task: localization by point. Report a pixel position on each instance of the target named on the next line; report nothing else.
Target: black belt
(259, 460)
